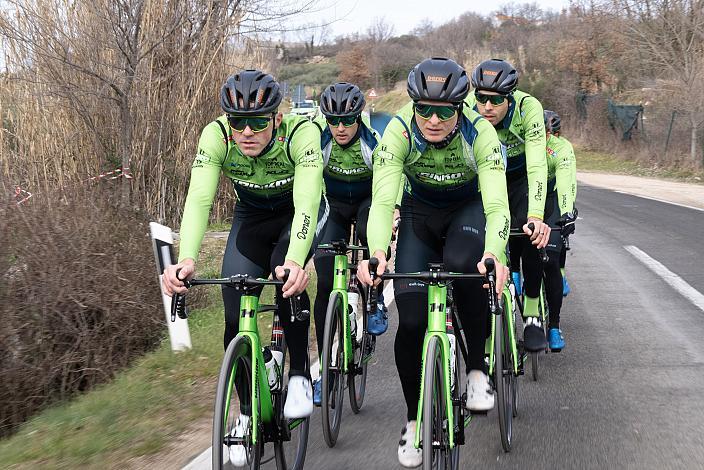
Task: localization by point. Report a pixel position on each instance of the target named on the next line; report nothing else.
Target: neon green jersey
(562, 171)
(522, 133)
(288, 174)
(439, 177)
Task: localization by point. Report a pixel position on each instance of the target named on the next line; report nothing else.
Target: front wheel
(362, 346)
(503, 371)
(331, 374)
(291, 454)
(233, 392)
(435, 425)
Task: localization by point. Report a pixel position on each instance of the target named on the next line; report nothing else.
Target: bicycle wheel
(457, 407)
(436, 452)
(290, 453)
(514, 359)
(361, 344)
(332, 380)
(502, 374)
(236, 363)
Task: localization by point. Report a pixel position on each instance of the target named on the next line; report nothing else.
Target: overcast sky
(356, 15)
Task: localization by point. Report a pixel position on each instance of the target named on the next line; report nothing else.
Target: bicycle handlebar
(435, 274)
(238, 282)
(517, 232)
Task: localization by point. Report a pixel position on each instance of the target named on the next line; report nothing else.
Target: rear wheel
(331, 374)
(361, 345)
(435, 425)
(229, 404)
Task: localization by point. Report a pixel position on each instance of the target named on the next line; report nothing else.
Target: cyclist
(447, 152)
(518, 120)
(347, 142)
(559, 208)
(275, 165)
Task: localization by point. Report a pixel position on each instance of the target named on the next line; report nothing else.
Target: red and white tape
(21, 196)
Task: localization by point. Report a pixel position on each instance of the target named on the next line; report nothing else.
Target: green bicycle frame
(339, 285)
(260, 393)
(437, 298)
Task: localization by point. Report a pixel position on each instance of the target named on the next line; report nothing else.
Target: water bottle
(272, 360)
(352, 300)
(450, 330)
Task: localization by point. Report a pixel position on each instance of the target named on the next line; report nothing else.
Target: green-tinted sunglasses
(443, 113)
(495, 100)
(255, 123)
(346, 121)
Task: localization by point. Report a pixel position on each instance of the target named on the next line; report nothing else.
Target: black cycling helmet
(552, 121)
(438, 79)
(495, 75)
(342, 99)
(250, 92)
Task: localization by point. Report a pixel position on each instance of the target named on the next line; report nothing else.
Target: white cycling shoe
(237, 453)
(299, 400)
(480, 397)
(408, 455)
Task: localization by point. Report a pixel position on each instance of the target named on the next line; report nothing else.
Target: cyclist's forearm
(307, 192)
(563, 186)
(387, 179)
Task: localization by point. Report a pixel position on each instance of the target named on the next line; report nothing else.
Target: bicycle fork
(437, 298)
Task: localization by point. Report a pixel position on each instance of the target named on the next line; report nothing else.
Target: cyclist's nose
(434, 119)
(248, 131)
(340, 127)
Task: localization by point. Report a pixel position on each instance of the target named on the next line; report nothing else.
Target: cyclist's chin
(251, 149)
(342, 139)
(435, 137)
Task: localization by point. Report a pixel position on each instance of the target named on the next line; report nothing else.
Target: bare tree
(670, 37)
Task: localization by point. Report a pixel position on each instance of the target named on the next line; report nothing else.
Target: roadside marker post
(163, 241)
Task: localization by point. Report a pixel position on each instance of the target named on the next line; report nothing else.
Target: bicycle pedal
(556, 350)
(477, 413)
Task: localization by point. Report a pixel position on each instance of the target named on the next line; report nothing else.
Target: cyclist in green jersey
(347, 142)
(447, 152)
(518, 120)
(275, 164)
(559, 209)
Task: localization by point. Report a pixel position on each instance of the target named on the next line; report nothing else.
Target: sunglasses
(495, 100)
(443, 113)
(255, 123)
(347, 121)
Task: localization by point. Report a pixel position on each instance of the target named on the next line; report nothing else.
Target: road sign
(372, 93)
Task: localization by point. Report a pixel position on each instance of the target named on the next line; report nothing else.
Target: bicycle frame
(249, 304)
(510, 325)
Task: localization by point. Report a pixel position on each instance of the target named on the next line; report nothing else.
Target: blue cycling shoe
(517, 282)
(555, 339)
(565, 287)
(317, 392)
(378, 321)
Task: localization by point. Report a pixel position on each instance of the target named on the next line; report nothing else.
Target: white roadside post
(163, 241)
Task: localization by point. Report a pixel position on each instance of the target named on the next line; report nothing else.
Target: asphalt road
(627, 391)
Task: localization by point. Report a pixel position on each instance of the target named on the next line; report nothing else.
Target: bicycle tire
(457, 406)
(434, 426)
(357, 376)
(297, 436)
(503, 392)
(331, 362)
(514, 382)
(238, 355)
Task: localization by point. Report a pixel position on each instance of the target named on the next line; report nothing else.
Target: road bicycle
(442, 416)
(259, 392)
(347, 345)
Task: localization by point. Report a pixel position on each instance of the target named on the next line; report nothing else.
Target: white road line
(203, 460)
(679, 284)
(656, 199)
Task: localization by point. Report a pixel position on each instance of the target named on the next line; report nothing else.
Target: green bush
(313, 75)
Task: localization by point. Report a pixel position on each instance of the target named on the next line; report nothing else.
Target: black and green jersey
(522, 133)
(287, 175)
(440, 177)
(562, 171)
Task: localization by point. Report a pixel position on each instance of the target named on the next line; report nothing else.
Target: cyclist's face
(434, 130)
(252, 143)
(342, 134)
(492, 113)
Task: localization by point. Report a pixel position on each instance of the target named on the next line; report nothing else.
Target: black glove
(566, 223)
